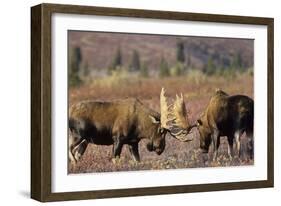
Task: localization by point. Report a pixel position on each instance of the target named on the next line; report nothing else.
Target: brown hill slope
(99, 48)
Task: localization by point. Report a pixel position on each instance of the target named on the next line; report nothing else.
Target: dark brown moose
(225, 115)
(117, 123)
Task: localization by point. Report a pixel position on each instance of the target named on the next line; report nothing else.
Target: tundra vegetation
(112, 67)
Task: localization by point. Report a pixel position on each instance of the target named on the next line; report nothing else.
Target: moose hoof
(215, 157)
(115, 160)
(77, 156)
(230, 158)
(73, 162)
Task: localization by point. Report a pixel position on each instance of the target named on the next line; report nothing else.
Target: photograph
(157, 102)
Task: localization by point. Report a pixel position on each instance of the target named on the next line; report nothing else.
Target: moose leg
(230, 147)
(81, 150)
(237, 136)
(250, 143)
(71, 157)
(134, 150)
(117, 147)
(218, 143)
(215, 144)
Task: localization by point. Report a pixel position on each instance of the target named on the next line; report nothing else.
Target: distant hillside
(98, 49)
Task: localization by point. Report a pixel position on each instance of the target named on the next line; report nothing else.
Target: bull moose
(225, 115)
(117, 123)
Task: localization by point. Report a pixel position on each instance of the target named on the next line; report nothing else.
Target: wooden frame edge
(101, 194)
(157, 14)
(270, 100)
(40, 102)
(36, 140)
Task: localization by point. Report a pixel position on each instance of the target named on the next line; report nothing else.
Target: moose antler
(180, 113)
(176, 118)
(180, 117)
(164, 108)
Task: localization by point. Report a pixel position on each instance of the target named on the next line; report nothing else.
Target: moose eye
(199, 122)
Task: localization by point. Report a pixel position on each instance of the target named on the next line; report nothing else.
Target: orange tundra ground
(197, 92)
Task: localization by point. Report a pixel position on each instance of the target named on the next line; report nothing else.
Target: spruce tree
(74, 63)
(180, 52)
(164, 68)
(135, 62)
(116, 62)
(144, 70)
(210, 67)
(237, 62)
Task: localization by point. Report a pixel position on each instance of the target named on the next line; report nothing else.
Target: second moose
(225, 115)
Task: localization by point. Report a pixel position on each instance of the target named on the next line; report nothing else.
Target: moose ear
(199, 122)
(154, 119)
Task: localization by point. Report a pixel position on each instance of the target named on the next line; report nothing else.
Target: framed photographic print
(130, 102)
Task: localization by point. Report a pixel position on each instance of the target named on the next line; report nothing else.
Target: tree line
(79, 68)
